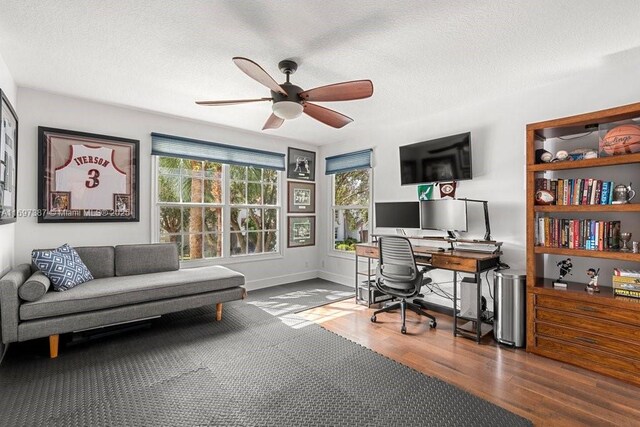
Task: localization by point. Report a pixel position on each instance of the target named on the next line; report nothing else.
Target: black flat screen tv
(437, 160)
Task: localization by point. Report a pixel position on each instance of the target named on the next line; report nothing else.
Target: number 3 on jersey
(93, 180)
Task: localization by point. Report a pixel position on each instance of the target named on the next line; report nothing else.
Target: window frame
(226, 257)
(332, 251)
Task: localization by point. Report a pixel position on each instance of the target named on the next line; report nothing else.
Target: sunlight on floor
(323, 314)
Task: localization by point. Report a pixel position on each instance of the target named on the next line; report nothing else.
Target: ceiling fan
(290, 101)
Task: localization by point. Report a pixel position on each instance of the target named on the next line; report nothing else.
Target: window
(211, 210)
(350, 208)
(254, 212)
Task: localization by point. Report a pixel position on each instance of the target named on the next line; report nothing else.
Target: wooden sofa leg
(53, 346)
(219, 311)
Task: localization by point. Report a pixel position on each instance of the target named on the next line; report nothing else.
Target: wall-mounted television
(436, 160)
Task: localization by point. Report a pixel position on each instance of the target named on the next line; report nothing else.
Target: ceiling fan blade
(345, 91)
(256, 72)
(233, 101)
(273, 122)
(326, 116)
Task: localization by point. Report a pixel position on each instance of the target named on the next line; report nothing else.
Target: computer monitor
(443, 214)
(398, 215)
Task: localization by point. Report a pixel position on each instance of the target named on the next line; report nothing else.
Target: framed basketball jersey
(87, 177)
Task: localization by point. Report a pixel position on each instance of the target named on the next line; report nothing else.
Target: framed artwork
(302, 197)
(301, 164)
(301, 231)
(8, 161)
(85, 177)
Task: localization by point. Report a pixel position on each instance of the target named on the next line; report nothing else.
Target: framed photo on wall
(301, 231)
(8, 160)
(85, 177)
(301, 164)
(302, 197)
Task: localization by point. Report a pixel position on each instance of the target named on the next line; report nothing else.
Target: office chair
(397, 275)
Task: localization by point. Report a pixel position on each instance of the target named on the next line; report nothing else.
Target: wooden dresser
(601, 334)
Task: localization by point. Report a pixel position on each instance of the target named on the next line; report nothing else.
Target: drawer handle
(586, 308)
(587, 340)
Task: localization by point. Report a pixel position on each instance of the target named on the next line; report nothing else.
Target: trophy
(625, 237)
(565, 268)
(592, 286)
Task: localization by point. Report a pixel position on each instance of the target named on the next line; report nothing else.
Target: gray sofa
(131, 282)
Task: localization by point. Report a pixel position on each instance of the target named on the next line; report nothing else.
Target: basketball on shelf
(623, 139)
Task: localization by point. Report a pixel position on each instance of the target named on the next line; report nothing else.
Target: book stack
(581, 191)
(626, 283)
(578, 234)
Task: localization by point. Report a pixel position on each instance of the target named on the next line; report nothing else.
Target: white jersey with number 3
(91, 177)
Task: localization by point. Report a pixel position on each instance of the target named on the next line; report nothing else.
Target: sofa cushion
(100, 260)
(35, 287)
(144, 259)
(126, 290)
(62, 266)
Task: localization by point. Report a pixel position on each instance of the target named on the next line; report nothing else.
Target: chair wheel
(403, 330)
(433, 324)
(373, 318)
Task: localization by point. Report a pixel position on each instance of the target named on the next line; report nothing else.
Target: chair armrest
(10, 302)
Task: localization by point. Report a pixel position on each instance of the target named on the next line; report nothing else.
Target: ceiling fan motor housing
(292, 93)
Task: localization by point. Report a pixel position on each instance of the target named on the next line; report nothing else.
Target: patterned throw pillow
(62, 266)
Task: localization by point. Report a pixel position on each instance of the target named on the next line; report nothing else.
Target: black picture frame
(301, 164)
(78, 163)
(301, 231)
(8, 161)
(301, 197)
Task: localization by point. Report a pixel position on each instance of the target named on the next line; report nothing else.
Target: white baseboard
(266, 282)
(337, 278)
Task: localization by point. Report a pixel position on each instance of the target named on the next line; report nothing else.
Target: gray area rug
(300, 296)
(250, 369)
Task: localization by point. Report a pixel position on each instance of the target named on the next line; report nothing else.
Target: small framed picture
(86, 177)
(302, 197)
(301, 164)
(8, 161)
(301, 231)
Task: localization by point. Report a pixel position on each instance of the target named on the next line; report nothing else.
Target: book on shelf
(623, 272)
(578, 233)
(626, 293)
(578, 191)
(630, 285)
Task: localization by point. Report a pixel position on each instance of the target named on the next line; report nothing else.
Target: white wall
(39, 108)
(7, 231)
(498, 138)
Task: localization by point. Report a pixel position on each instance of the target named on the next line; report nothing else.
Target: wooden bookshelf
(635, 207)
(614, 254)
(594, 330)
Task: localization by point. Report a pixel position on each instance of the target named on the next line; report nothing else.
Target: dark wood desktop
(446, 259)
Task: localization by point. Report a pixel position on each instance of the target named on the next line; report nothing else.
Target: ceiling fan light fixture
(287, 109)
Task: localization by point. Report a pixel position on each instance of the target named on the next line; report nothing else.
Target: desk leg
(455, 305)
(478, 308)
(356, 282)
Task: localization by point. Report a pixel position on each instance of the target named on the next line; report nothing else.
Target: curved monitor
(443, 214)
(436, 160)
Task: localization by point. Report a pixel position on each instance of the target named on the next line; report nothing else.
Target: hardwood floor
(540, 389)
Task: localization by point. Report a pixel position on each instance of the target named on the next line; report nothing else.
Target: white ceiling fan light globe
(287, 110)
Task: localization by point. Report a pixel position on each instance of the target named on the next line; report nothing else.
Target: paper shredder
(509, 307)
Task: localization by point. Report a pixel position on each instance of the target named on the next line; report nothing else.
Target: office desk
(456, 261)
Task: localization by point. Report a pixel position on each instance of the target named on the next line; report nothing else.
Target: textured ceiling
(422, 56)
